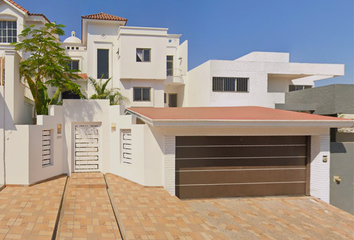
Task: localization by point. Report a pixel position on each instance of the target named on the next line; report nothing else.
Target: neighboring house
(224, 139)
(334, 100)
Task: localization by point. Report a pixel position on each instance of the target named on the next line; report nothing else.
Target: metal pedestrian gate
(87, 148)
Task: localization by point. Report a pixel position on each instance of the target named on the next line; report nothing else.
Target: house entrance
(87, 148)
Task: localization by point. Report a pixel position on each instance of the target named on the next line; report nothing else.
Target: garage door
(230, 166)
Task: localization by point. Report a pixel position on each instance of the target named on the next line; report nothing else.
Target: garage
(241, 166)
(221, 152)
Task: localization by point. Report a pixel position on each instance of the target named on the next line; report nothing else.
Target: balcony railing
(174, 76)
(174, 72)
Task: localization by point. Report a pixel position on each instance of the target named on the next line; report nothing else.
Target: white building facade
(140, 140)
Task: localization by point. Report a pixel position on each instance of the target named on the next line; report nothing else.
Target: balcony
(174, 77)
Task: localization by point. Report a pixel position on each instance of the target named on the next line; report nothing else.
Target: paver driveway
(30, 212)
(87, 211)
(151, 213)
(276, 218)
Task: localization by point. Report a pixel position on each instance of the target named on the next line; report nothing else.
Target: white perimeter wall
(135, 171)
(86, 112)
(24, 166)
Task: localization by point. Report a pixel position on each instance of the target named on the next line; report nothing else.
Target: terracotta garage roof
(104, 16)
(231, 114)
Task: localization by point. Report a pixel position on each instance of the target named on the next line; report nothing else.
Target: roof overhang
(321, 122)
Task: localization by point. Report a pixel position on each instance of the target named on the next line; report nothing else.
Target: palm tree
(113, 94)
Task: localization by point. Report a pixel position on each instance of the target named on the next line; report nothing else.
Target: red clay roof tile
(18, 6)
(26, 11)
(104, 16)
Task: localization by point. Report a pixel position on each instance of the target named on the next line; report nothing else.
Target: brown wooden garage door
(231, 166)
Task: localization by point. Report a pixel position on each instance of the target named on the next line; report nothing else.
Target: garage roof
(247, 114)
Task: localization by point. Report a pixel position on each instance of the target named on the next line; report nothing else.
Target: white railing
(174, 72)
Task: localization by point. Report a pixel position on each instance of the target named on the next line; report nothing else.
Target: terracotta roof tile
(104, 16)
(228, 113)
(18, 6)
(26, 11)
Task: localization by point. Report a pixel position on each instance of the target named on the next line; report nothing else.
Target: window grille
(126, 141)
(46, 148)
(223, 84)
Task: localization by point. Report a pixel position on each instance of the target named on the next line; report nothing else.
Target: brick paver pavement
(87, 212)
(151, 213)
(276, 218)
(30, 212)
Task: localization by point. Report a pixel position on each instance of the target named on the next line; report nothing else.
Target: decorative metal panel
(46, 148)
(87, 147)
(126, 140)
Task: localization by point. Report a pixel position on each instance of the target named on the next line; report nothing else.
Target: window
(169, 65)
(102, 63)
(143, 55)
(126, 141)
(222, 84)
(298, 87)
(74, 64)
(141, 94)
(8, 31)
(164, 98)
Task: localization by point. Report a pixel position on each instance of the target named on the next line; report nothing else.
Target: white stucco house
(208, 132)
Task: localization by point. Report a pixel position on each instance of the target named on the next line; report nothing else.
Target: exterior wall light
(59, 128)
(113, 126)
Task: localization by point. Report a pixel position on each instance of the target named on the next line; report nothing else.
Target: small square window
(141, 94)
(74, 64)
(143, 55)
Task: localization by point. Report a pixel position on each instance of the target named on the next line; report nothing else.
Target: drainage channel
(117, 216)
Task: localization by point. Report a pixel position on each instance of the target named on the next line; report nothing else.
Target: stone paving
(87, 212)
(151, 213)
(276, 218)
(30, 212)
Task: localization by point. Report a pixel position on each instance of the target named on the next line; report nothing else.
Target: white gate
(87, 148)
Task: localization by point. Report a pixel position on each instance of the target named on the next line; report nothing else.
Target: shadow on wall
(338, 148)
(82, 110)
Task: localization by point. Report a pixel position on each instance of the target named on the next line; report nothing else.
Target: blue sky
(314, 31)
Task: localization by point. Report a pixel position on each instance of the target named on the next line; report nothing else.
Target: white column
(169, 166)
(319, 179)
